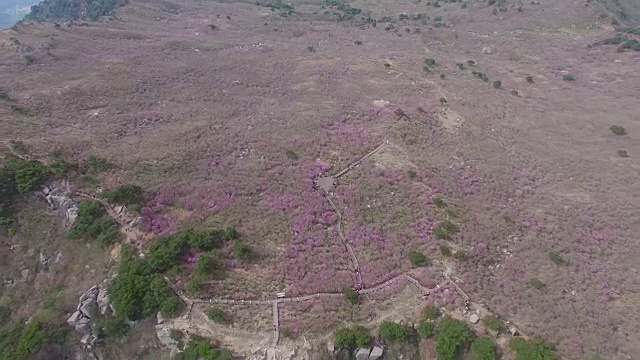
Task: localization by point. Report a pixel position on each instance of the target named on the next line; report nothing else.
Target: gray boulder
(83, 325)
(362, 354)
(376, 353)
(73, 319)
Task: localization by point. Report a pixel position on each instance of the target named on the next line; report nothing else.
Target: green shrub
(194, 285)
(622, 153)
(631, 44)
(426, 329)
(207, 263)
(439, 202)
(97, 164)
(460, 255)
(536, 283)
(568, 77)
(362, 337)
(460, 66)
(392, 331)
(350, 295)
(165, 251)
(28, 175)
(230, 233)
(412, 174)
(556, 258)
(445, 250)
(452, 335)
(113, 327)
(218, 315)
(431, 312)
(16, 145)
(430, 63)
(242, 252)
(445, 229)
(201, 349)
(124, 195)
(417, 258)
(93, 223)
(497, 84)
(532, 349)
(529, 79)
(344, 338)
(492, 322)
(618, 130)
(483, 348)
(292, 155)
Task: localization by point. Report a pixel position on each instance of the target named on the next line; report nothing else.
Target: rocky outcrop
(59, 200)
(92, 303)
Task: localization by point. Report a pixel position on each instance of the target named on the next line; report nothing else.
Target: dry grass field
(231, 124)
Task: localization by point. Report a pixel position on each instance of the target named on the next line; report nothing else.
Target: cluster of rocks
(58, 200)
(92, 303)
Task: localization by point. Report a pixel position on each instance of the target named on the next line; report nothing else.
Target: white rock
(474, 319)
(362, 354)
(73, 319)
(83, 325)
(376, 353)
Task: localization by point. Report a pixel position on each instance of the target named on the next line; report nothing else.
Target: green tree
(483, 348)
(194, 285)
(202, 349)
(417, 258)
(536, 283)
(452, 334)
(28, 175)
(392, 331)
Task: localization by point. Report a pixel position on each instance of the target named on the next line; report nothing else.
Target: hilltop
(480, 156)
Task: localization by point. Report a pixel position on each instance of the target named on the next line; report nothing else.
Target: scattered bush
(483, 348)
(412, 174)
(426, 329)
(471, 63)
(439, 202)
(536, 283)
(618, 130)
(242, 252)
(16, 145)
(344, 338)
(218, 315)
(568, 77)
(460, 66)
(482, 76)
(194, 285)
(492, 323)
(556, 258)
(497, 84)
(431, 312)
(631, 44)
(529, 79)
(445, 250)
(59, 166)
(460, 255)
(430, 63)
(622, 153)
(532, 349)
(124, 195)
(201, 348)
(93, 223)
(97, 164)
(362, 337)
(445, 230)
(417, 258)
(350, 295)
(206, 264)
(452, 334)
(212, 26)
(392, 331)
(292, 155)
(112, 327)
